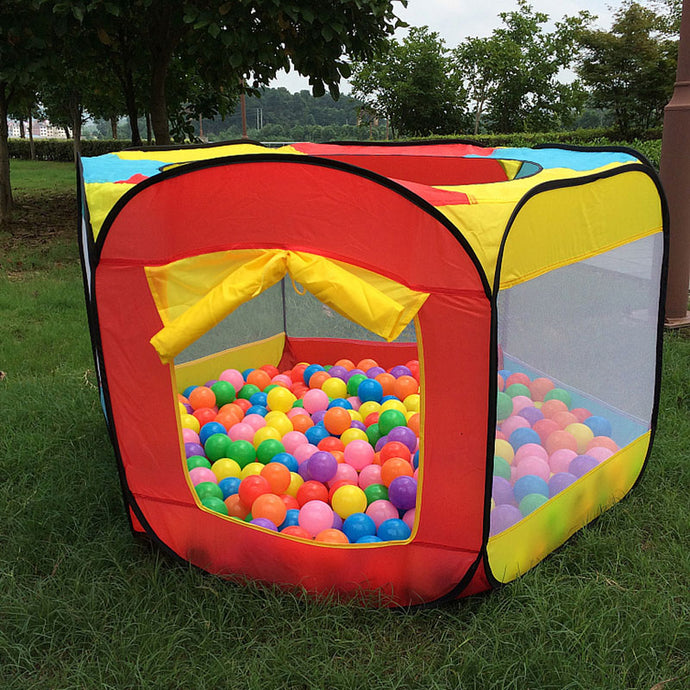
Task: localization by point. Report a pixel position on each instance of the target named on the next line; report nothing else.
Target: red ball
(205, 415)
(289, 501)
(252, 487)
(331, 443)
(395, 449)
(311, 490)
(296, 531)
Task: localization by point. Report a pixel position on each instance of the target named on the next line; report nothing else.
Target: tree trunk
(149, 131)
(22, 131)
(67, 133)
(76, 112)
(32, 144)
(5, 188)
(113, 126)
(159, 104)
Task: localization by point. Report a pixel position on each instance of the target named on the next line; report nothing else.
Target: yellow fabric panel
(101, 197)
(517, 549)
(267, 351)
(562, 226)
(511, 167)
(189, 154)
(194, 294)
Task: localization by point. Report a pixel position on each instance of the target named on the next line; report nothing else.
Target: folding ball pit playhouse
(521, 289)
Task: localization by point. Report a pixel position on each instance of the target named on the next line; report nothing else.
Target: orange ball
(270, 370)
(395, 449)
(564, 419)
(560, 439)
(271, 507)
(317, 378)
(413, 422)
(259, 378)
(278, 477)
(366, 364)
(539, 388)
(202, 396)
(227, 419)
(336, 420)
(395, 467)
(604, 442)
(235, 507)
(301, 422)
(331, 536)
(404, 386)
(346, 364)
(387, 382)
(552, 407)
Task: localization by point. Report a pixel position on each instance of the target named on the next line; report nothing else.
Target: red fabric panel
(333, 213)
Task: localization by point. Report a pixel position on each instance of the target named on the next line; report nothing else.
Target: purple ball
(581, 464)
(502, 491)
(264, 522)
(322, 466)
(356, 424)
(188, 407)
(351, 373)
(560, 481)
(404, 435)
(374, 372)
(318, 416)
(337, 521)
(502, 517)
(303, 470)
(381, 443)
(208, 384)
(402, 492)
(338, 372)
(192, 448)
(531, 414)
(400, 370)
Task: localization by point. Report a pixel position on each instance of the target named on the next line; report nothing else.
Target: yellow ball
(393, 405)
(355, 416)
(250, 469)
(265, 432)
(412, 402)
(504, 450)
(366, 408)
(295, 482)
(349, 499)
(582, 434)
(280, 421)
(182, 409)
(334, 388)
(226, 467)
(351, 434)
(189, 421)
(280, 399)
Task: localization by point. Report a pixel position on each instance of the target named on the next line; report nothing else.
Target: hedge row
(648, 143)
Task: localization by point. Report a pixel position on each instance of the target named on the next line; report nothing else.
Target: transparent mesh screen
(578, 375)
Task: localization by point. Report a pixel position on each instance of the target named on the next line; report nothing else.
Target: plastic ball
(353, 434)
(346, 473)
(602, 442)
(394, 467)
(369, 390)
(502, 491)
(311, 490)
(404, 435)
(582, 464)
(265, 523)
(371, 474)
(502, 517)
(560, 481)
(389, 419)
(309, 371)
(516, 389)
(235, 506)
(242, 452)
(349, 499)
(358, 525)
(277, 475)
(315, 516)
(198, 461)
(533, 465)
(201, 396)
(224, 392)
(334, 387)
(358, 454)
(269, 506)
(204, 489)
(316, 434)
(504, 406)
(523, 435)
(376, 492)
(402, 492)
(369, 539)
(559, 394)
(280, 399)
(229, 486)
(501, 467)
(529, 484)
(191, 449)
(531, 502)
(226, 467)
(559, 461)
(336, 420)
(331, 536)
(291, 518)
(296, 531)
(202, 474)
(322, 466)
(393, 529)
(380, 511)
(560, 439)
(582, 434)
(268, 449)
(600, 426)
(314, 400)
(295, 482)
(215, 503)
(531, 414)
(251, 488)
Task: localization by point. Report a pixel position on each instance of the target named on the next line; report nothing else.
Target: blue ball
(246, 373)
(259, 398)
(257, 409)
(370, 390)
(388, 397)
(504, 374)
(229, 486)
(287, 459)
(530, 484)
(315, 434)
(358, 525)
(523, 435)
(600, 426)
(188, 390)
(340, 402)
(310, 371)
(370, 539)
(291, 518)
(415, 459)
(209, 429)
(393, 530)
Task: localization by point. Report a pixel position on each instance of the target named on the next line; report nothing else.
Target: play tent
(526, 283)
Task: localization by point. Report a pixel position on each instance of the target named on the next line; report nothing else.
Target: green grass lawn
(85, 605)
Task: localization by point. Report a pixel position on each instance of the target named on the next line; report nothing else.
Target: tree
(631, 69)
(513, 76)
(413, 84)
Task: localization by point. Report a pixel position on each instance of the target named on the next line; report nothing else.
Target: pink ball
(581, 413)
(255, 421)
(304, 452)
(358, 453)
(520, 402)
(202, 474)
(533, 465)
(513, 422)
(408, 517)
(233, 377)
(344, 473)
(560, 460)
(415, 474)
(600, 453)
(533, 449)
(293, 440)
(314, 400)
(242, 432)
(371, 474)
(190, 436)
(380, 511)
(518, 377)
(500, 435)
(282, 380)
(294, 411)
(315, 516)
(355, 402)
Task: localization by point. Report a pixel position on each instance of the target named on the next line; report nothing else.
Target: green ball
(242, 452)
(518, 389)
(501, 467)
(298, 403)
(353, 383)
(531, 502)
(224, 391)
(559, 394)
(197, 461)
(248, 390)
(217, 446)
(267, 449)
(206, 489)
(270, 387)
(504, 406)
(375, 492)
(389, 420)
(373, 433)
(217, 505)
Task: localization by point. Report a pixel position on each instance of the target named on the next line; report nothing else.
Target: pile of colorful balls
(543, 444)
(325, 453)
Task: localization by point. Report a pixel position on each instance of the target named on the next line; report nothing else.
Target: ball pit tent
(526, 283)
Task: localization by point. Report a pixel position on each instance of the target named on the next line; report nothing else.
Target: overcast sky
(455, 20)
